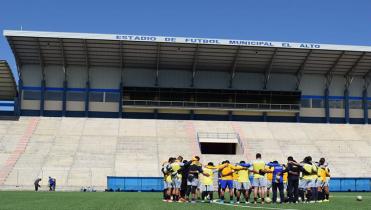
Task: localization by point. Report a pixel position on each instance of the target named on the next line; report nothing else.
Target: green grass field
(143, 201)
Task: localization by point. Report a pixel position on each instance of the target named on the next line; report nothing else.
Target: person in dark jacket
(293, 170)
(37, 184)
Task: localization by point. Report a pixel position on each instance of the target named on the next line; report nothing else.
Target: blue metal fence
(155, 184)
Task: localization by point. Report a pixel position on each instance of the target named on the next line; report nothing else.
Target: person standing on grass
(293, 173)
(37, 184)
(260, 181)
(193, 178)
(277, 182)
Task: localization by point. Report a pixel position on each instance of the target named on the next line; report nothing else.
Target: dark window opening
(218, 148)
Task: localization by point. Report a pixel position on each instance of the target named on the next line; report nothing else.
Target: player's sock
(231, 198)
(222, 197)
(211, 195)
(238, 198)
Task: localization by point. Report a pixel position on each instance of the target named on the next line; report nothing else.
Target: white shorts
(327, 182)
(301, 184)
(195, 182)
(167, 185)
(207, 188)
(259, 182)
(176, 182)
(319, 183)
(243, 185)
(309, 183)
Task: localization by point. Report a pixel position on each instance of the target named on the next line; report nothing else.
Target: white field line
(253, 207)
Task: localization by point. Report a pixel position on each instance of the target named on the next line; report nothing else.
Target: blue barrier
(350, 184)
(155, 184)
(144, 184)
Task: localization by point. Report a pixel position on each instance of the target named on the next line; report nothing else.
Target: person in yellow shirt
(226, 181)
(166, 170)
(326, 178)
(285, 178)
(269, 170)
(176, 177)
(208, 182)
(260, 181)
(309, 178)
(243, 184)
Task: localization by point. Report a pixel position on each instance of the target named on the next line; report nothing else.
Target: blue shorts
(226, 183)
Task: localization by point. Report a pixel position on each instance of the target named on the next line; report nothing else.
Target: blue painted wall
(156, 184)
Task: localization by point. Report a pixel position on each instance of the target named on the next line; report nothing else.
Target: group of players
(188, 181)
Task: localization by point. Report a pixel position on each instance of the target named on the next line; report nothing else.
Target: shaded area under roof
(8, 88)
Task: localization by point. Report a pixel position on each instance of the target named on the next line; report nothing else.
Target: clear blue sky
(318, 21)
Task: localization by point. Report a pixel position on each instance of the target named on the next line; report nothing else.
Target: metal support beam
(65, 83)
(349, 74)
(157, 63)
(19, 71)
(268, 69)
(121, 86)
(329, 74)
(233, 67)
(300, 71)
(194, 65)
(346, 106)
(327, 106)
(365, 106)
(87, 88)
(43, 83)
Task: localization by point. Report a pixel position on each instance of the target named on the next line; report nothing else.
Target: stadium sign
(217, 41)
(185, 40)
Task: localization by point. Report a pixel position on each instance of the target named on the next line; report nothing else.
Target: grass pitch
(143, 201)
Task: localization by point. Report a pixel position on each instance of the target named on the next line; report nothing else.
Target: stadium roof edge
(185, 40)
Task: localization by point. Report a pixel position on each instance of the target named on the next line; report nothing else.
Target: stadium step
(19, 150)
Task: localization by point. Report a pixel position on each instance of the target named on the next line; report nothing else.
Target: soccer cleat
(237, 202)
(221, 201)
(326, 200)
(231, 202)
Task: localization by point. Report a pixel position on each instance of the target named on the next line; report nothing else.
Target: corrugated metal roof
(8, 88)
(51, 48)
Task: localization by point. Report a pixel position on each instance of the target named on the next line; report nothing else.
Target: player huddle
(305, 181)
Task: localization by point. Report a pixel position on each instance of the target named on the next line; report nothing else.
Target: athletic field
(142, 201)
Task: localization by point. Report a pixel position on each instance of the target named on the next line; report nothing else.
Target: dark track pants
(278, 186)
(293, 190)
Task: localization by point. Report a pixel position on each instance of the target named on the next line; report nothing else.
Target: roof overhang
(8, 88)
(185, 53)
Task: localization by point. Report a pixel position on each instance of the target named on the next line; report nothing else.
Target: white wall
(31, 75)
(312, 84)
(54, 76)
(76, 76)
(104, 77)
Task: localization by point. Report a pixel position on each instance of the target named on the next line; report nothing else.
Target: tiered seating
(83, 151)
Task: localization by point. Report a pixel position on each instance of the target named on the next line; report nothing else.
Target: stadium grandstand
(215, 98)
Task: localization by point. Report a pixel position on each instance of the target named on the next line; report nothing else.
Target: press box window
(53, 96)
(317, 103)
(355, 104)
(112, 97)
(76, 96)
(96, 96)
(31, 95)
(305, 103)
(336, 104)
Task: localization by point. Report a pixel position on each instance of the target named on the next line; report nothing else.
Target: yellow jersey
(207, 180)
(269, 175)
(227, 171)
(310, 171)
(176, 167)
(243, 175)
(257, 166)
